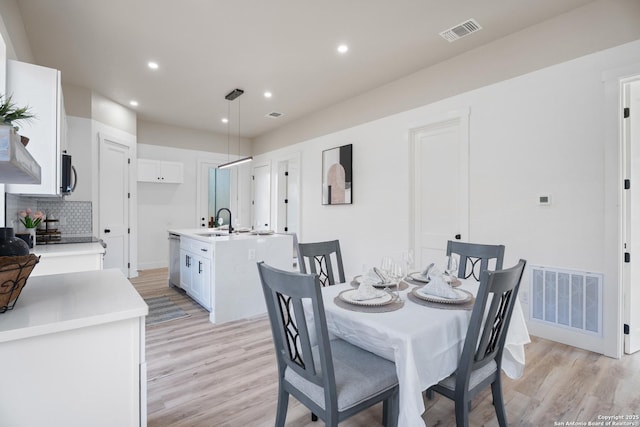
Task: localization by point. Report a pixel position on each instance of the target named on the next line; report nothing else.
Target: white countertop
(68, 249)
(224, 236)
(62, 302)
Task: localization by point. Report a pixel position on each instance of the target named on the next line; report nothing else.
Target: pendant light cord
(228, 129)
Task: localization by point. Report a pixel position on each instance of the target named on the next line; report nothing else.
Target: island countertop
(62, 302)
(213, 235)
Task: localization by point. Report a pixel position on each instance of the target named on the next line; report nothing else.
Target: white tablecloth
(425, 343)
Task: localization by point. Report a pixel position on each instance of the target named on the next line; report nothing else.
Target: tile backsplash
(75, 217)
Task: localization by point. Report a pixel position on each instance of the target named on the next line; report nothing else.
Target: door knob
(106, 230)
(458, 237)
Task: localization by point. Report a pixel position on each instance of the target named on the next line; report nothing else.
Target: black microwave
(68, 183)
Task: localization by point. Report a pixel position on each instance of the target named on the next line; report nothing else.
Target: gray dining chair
(334, 379)
(474, 257)
(320, 258)
(481, 360)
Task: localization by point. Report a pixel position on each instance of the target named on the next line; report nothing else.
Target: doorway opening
(219, 194)
(216, 189)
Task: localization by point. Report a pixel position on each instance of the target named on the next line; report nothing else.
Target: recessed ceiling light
(153, 65)
(343, 48)
(268, 94)
(133, 103)
(225, 120)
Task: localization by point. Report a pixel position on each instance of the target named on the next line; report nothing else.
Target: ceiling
(206, 48)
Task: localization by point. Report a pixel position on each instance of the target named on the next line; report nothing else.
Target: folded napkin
(439, 287)
(426, 271)
(366, 291)
(374, 277)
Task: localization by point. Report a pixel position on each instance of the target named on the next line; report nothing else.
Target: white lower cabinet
(185, 270)
(201, 281)
(73, 353)
(196, 258)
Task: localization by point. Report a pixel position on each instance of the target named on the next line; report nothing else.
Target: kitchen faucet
(218, 216)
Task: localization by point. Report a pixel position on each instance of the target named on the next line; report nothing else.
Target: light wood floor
(202, 375)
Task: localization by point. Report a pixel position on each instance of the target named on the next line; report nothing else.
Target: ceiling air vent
(461, 30)
(274, 115)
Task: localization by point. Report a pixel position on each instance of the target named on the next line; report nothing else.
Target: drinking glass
(451, 267)
(407, 257)
(396, 275)
(385, 265)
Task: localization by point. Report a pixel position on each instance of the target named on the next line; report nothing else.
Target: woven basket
(14, 272)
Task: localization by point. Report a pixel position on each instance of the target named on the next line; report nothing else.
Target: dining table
(424, 341)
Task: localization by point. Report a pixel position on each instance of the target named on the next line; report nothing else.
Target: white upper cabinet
(160, 171)
(39, 88)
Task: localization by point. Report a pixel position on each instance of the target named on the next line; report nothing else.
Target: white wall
(541, 133)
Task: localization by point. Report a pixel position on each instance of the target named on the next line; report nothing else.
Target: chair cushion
(476, 377)
(359, 375)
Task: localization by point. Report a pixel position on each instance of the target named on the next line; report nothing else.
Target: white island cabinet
(219, 270)
(196, 258)
(73, 353)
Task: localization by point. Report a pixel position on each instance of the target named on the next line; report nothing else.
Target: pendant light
(230, 97)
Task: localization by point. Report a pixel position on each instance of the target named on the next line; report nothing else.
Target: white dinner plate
(418, 277)
(358, 280)
(348, 296)
(463, 296)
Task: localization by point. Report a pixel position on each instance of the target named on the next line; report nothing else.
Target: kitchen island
(72, 353)
(219, 270)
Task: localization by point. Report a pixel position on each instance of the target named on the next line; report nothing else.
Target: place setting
(376, 290)
(439, 289)
(389, 275)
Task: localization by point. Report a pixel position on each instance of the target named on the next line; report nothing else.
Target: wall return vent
(461, 30)
(566, 298)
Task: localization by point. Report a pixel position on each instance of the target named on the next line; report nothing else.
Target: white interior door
(440, 165)
(631, 270)
(114, 203)
(261, 197)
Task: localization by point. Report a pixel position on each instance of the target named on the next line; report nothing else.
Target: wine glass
(395, 275)
(385, 266)
(407, 257)
(451, 268)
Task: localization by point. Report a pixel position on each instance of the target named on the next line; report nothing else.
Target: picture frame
(337, 175)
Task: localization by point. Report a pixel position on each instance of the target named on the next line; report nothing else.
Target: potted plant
(10, 113)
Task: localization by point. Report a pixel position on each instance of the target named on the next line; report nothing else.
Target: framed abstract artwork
(337, 176)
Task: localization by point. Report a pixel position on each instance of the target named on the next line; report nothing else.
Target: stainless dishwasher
(174, 260)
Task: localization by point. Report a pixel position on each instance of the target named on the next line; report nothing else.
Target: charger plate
(463, 296)
(394, 305)
(349, 295)
(418, 299)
